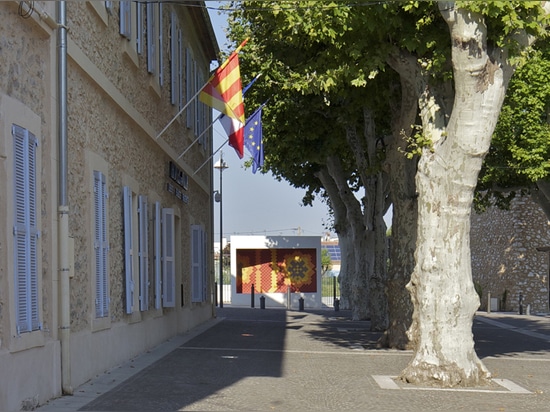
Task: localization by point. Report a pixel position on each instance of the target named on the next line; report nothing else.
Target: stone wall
(505, 259)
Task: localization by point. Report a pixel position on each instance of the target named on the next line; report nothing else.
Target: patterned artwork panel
(273, 270)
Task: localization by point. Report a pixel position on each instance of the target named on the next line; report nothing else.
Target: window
(168, 258)
(143, 254)
(25, 231)
(198, 264)
(101, 246)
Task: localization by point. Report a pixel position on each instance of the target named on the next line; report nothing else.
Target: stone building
(510, 257)
(105, 229)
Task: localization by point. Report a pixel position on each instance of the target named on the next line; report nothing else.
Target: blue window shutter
(180, 69)
(161, 63)
(151, 37)
(189, 86)
(128, 249)
(139, 28)
(25, 231)
(143, 254)
(125, 19)
(174, 57)
(203, 265)
(168, 258)
(100, 245)
(196, 252)
(157, 253)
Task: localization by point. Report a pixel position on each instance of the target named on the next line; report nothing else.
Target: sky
(258, 204)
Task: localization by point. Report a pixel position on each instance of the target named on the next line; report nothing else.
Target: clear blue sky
(257, 203)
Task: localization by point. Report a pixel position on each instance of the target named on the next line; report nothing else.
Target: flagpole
(211, 156)
(180, 112)
(197, 139)
(226, 62)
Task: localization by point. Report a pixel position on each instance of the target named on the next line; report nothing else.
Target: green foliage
(326, 262)
(520, 149)
(322, 62)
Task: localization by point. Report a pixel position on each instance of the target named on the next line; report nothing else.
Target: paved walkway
(253, 359)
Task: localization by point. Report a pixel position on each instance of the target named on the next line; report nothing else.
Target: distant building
(105, 234)
(276, 267)
(333, 248)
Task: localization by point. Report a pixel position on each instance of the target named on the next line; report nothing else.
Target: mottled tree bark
(441, 285)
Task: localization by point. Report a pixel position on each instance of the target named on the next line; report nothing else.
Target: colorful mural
(274, 270)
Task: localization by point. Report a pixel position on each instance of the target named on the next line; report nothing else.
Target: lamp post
(220, 165)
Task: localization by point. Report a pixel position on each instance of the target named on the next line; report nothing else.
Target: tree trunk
(345, 237)
(441, 285)
(357, 275)
(402, 170)
(374, 180)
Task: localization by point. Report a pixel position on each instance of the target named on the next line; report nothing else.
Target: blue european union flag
(253, 139)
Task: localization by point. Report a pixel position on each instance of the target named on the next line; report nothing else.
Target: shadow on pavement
(492, 340)
(202, 368)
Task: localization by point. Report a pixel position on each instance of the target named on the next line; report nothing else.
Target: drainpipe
(63, 207)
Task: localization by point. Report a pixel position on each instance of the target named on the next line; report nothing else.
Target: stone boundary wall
(505, 259)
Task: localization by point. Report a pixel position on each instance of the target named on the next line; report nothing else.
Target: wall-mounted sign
(178, 176)
(177, 192)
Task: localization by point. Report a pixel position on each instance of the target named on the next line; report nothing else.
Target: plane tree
(458, 110)
(300, 52)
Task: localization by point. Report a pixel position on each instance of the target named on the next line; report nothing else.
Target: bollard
(301, 304)
(252, 296)
(520, 304)
(262, 302)
(336, 305)
(528, 310)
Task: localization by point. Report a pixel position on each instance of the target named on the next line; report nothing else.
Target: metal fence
(330, 290)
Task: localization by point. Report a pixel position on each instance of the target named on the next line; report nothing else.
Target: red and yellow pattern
(274, 270)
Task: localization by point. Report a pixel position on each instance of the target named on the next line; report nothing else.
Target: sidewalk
(253, 359)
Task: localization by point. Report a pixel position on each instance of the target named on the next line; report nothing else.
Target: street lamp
(220, 165)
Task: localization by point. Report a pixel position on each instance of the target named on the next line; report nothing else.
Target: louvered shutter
(203, 265)
(197, 102)
(168, 259)
(189, 89)
(157, 253)
(100, 245)
(151, 37)
(196, 252)
(180, 68)
(161, 63)
(25, 230)
(128, 249)
(174, 57)
(125, 19)
(143, 254)
(139, 28)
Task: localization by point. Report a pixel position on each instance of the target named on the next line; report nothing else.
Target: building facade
(280, 269)
(510, 257)
(106, 213)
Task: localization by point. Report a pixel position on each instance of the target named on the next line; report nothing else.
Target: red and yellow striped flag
(223, 92)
